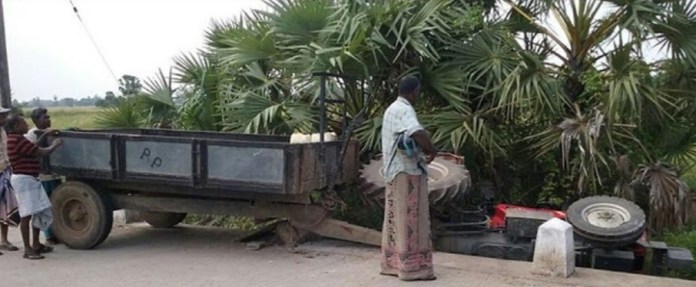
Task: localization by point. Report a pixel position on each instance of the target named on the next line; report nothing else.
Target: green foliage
(124, 114)
(671, 204)
(17, 110)
(355, 211)
(593, 99)
(129, 85)
(272, 55)
(685, 238)
(156, 103)
(109, 100)
(151, 105)
(231, 222)
(548, 100)
(200, 89)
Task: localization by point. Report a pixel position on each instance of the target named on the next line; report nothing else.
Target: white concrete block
(125, 216)
(120, 217)
(554, 253)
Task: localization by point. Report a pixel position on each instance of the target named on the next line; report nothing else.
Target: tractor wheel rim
(606, 215)
(75, 216)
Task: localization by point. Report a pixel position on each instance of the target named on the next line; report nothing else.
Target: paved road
(136, 255)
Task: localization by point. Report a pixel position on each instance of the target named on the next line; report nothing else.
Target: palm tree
(268, 58)
(580, 73)
(156, 102)
(572, 83)
(124, 114)
(154, 106)
(200, 87)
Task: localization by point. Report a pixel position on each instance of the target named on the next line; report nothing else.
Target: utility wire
(106, 63)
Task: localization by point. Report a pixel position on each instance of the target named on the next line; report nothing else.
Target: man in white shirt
(406, 242)
(42, 122)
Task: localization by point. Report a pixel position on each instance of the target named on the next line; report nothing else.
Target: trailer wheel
(163, 219)
(82, 216)
(606, 221)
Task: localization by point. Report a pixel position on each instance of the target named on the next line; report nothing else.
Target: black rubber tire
(442, 191)
(83, 217)
(163, 219)
(624, 234)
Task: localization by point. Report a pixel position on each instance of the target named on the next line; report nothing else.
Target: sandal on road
(33, 255)
(8, 247)
(53, 241)
(44, 249)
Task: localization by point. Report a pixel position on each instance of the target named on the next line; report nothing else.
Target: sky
(50, 54)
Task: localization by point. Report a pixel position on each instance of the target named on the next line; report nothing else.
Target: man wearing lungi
(9, 214)
(34, 204)
(42, 122)
(406, 242)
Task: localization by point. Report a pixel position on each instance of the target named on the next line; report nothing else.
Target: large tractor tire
(605, 221)
(447, 179)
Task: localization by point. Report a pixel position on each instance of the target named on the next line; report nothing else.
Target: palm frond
(675, 32)
(630, 87)
(670, 198)
(251, 112)
(624, 187)
(530, 87)
(370, 135)
(124, 114)
(580, 134)
(157, 100)
(299, 22)
(454, 130)
(160, 88)
(246, 45)
(189, 68)
(200, 111)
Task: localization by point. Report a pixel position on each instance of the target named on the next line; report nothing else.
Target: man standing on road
(42, 122)
(406, 242)
(9, 214)
(34, 205)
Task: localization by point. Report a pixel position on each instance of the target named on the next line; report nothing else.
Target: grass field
(70, 117)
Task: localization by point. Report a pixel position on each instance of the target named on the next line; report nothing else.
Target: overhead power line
(106, 63)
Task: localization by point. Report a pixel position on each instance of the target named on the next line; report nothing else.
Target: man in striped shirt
(34, 205)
